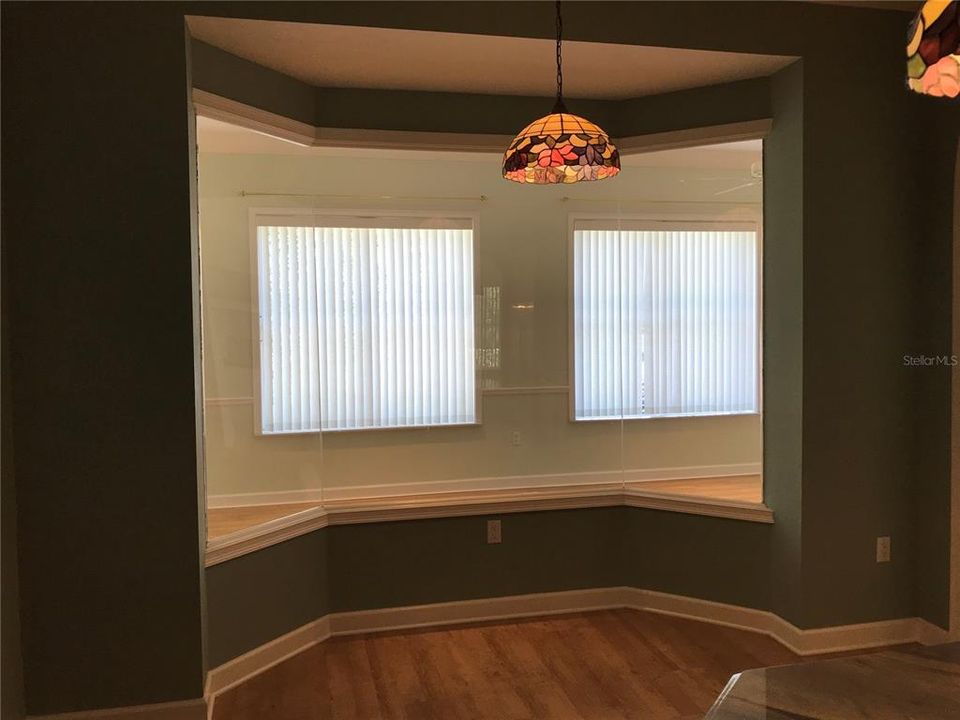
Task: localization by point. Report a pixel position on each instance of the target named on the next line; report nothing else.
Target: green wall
(95, 118)
(97, 247)
(221, 73)
(343, 568)
(937, 146)
(258, 597)
(783, 337)
(843, 454)
(11, 663)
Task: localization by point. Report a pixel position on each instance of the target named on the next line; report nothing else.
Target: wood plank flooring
(741, 488)
(223, 521)
(607, 665)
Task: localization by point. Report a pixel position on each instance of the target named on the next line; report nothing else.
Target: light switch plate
(883, 549)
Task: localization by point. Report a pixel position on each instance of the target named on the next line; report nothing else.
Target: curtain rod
(247, 193)
(567, 198)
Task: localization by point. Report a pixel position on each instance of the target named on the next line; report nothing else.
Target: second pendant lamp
(560, 147)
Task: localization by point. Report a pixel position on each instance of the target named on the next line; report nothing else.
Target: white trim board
(498, 484)
(248, 540)
(515, 482)
(195, 709)
(802, 642)
(230, 111)
(217, 107)
(235, 671)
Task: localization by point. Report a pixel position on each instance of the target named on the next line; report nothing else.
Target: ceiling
(214, 136)
(382, 58)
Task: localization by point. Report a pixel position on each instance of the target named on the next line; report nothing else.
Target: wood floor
(223, 521)
(606, 665)
(740, 488)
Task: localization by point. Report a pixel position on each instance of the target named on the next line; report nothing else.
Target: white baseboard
(384, 491)
(471, 611)
(802, 642)
(195, 709)
(266, 656)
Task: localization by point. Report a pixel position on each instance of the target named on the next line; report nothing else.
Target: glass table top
(903, 684)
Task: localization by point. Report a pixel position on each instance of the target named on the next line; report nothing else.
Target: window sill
(638, 494)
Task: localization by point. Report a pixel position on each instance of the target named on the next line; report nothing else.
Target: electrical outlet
(493, 532)
(883, 549)
(515, 438)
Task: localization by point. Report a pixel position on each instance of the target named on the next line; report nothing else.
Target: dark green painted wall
(843, 458)
(11, 664)
(938, 149)
(783, 337)
(413, 563)
(258, 597)
(97, 236)
(223, 74)
(97, 247)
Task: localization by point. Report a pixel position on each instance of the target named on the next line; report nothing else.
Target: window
(364, 322)
(664, 319)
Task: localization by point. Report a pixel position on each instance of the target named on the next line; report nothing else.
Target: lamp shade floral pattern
(560, 148)
(933, 50)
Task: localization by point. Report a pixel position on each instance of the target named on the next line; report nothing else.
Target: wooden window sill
(240, 530)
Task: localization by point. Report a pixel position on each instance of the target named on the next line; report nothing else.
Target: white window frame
(735, 219)
(292, 217)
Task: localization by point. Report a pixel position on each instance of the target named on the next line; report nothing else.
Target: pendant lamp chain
(559, 106)
(560, 147)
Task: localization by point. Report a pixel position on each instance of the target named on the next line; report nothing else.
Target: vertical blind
(665, 321)
(365, 324)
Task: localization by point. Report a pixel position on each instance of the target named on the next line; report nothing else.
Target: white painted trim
(230, 111)
(482, 610)
(693, 137)
(490, 486)
(637, 497)
(216, 107)
(411, 140)
(802, 642)
(407, 493)
(227, 401)
(235, 671)
(195, 709)
(527, 390)
(264, 535)
(496, 391)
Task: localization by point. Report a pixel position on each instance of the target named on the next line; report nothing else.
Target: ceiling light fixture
(560, 148)
(933, 50)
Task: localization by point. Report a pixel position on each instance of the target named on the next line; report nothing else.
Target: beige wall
(520, 247)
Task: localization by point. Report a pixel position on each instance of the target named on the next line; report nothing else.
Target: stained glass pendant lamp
(561, 147)
(933, 50)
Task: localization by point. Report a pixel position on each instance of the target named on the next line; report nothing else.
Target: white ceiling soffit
(217, 137)
(365, 57)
